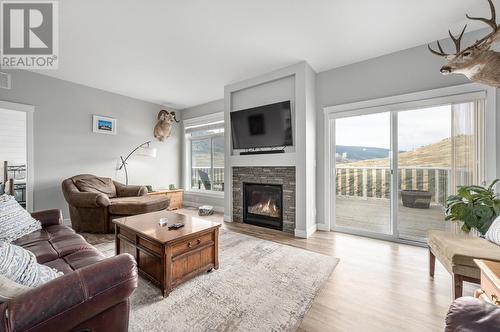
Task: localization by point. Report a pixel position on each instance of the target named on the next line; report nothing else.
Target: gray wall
(411, 70)
(193, 199)
(65, 144)
(212, 107)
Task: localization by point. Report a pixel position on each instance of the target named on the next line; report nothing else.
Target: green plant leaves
(475, 206)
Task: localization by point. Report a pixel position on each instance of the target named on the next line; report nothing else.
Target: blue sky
(415, 128)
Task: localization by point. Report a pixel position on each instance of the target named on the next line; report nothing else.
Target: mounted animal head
(477, 62)
(163, 127)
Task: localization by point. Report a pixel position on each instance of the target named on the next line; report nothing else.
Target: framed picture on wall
(104, 125)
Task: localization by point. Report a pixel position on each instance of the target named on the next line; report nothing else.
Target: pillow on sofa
(10, 289)
(20, 266)
(15, 221)
(493, 233)
(97, 185)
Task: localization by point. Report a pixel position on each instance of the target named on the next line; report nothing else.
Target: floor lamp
(145, 149)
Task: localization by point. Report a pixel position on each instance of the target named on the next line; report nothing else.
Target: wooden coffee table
(168, 257)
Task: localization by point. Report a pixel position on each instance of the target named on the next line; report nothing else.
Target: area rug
(259, 286)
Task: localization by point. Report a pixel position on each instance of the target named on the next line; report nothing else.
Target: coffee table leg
(216, 249)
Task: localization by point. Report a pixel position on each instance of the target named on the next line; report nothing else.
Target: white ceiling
(181, 53)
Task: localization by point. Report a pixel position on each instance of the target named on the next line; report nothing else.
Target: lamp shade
(147, 152)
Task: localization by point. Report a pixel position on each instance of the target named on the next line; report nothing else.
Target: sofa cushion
(97, 185)
(20, 266)
(15, 221)
(59, 247)
(457, 251)
(76, 260)
(126, 206)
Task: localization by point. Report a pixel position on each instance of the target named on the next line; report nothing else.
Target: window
(205, 146)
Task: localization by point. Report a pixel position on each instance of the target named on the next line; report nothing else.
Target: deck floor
(373, 215)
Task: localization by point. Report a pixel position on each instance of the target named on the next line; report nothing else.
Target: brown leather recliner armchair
(95, 201)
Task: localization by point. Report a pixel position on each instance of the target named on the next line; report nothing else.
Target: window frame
(193, 123)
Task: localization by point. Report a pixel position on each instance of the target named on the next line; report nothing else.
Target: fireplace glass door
(263, 205)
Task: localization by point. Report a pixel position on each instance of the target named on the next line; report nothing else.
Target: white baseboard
(305, 234)
(323, 227)
(227, 218)
(196, 205)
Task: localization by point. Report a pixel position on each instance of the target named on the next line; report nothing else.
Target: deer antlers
(456, 41)
(486, 41)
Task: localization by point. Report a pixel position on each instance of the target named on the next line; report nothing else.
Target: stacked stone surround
(284, 176)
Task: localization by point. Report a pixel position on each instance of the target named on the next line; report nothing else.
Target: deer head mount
(477, 62)
(163, 127)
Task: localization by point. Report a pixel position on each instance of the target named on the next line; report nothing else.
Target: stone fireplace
(265, 196)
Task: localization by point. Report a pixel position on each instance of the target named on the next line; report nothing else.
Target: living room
(249, 166)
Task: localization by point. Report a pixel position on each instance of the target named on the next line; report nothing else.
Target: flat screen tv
(262, 127)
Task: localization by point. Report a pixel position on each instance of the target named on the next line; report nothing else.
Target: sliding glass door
(424, 164)
(362, 173)
(394, 170)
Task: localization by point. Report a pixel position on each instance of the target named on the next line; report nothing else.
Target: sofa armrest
(87, 200)
(123, 190)
(48, 217)
(73, 298)
(470, 314)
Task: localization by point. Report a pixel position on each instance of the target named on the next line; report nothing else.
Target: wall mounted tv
(262, 127)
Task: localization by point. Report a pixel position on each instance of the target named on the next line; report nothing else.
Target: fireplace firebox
(263, 205)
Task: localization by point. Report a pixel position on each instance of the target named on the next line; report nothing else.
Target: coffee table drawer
(192, 244)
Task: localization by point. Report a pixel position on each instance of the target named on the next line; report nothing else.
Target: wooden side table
(490, 281)
(176, 197)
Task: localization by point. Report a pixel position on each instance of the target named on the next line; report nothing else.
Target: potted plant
(416, 199)
(475, 206)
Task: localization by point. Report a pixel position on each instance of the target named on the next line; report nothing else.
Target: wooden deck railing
(374, 182)
(216, 180)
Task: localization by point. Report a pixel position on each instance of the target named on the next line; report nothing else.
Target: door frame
(30, 173)
(411, 101)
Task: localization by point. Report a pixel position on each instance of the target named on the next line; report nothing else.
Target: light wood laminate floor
(377, 286)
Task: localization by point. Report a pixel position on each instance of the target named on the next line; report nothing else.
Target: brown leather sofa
(92, 295)
(95, 201)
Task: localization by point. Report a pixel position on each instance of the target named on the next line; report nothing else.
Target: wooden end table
(176, 197)
(490, 281)
(168, 257)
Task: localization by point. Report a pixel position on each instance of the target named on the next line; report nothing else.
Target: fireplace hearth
(263, 205)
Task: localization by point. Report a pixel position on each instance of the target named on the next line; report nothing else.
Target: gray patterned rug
(259, 286)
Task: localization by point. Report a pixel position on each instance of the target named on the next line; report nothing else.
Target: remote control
(176, 226)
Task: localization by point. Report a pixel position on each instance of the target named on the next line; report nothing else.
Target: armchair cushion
(126, 206)
(97, 185)
(123, 190)
(87, 200)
